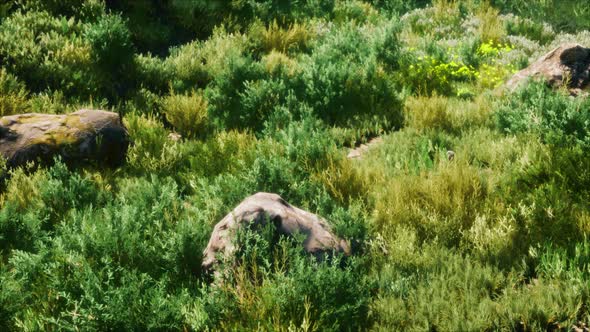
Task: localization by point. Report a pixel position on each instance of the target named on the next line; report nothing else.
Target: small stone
(450, 155)
(174, 137)
(354, 154)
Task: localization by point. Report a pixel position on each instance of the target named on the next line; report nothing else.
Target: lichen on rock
(80, 136)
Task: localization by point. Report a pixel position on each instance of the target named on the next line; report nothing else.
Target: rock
(568, 64)
(259, 208)
(360, 150)
(356, 153)
(450, 155)
(82, 135)
(580, 327)
(174, 137)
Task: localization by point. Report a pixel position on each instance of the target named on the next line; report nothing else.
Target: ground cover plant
(223, 99)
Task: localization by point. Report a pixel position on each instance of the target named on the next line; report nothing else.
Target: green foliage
(152, 151)
(355, 11)
(58, 7)
(468, 212)
(112, 52)
(224, 93)
(490, 26)
(448, 287)
(566, 15)
(49, 54)
(445, 114)
(283, 11)
(342, 78)
(558, 119)
(187, 113)
(13, 95)
(519, 26)
(294, 38)
(279, 287)
(92, 293)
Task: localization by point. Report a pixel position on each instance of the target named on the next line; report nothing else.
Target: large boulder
(261, 208)
(82, 135)
(568, 64)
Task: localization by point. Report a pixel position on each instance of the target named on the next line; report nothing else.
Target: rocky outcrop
(568, 64)
(261, 208)
(79, 136)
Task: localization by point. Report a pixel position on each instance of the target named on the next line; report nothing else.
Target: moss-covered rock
(80, 136)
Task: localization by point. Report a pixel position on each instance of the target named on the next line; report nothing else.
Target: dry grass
(187, 113)
(491, 27)
(295, 37)
(450, 115)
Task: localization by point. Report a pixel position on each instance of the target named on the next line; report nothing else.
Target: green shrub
(50, 103)
(49, 53)
(13, 95)
(279, 287)
(226, 152)
(154, 73)
(140, 268)
(294, 38)
(345, 82)
(282, 11)
(441, 20)
(399, 6)
(152, 150)
(20, 225)
(437, 205)
(277, 64)
(429, 113)
(568, 16)
(519, 26)
(357, 11)
(187, 113)
(269, 95)
(224, 93)
(50, 196)
(446, 287)
(176, 22)
(112, 52)
(491, 28)
(427, 75)
(556, 118)
(77, 8)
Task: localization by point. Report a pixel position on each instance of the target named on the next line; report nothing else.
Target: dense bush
(557, 118)
(112, 53)
(275, 283)
(50, 54)
(568, 16)
(13, 94)
(468, 212)
(187, 113)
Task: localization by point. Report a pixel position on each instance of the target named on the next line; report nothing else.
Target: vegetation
(223, 99)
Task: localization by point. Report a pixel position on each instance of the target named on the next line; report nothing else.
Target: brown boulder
(259, 208)
(82, 135)
(569, 63)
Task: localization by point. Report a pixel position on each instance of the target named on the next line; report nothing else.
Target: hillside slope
(469, 211)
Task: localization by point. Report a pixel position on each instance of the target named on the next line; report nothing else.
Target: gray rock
(450, 155)
(568, 64)
(82, 135)
(257, 210)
